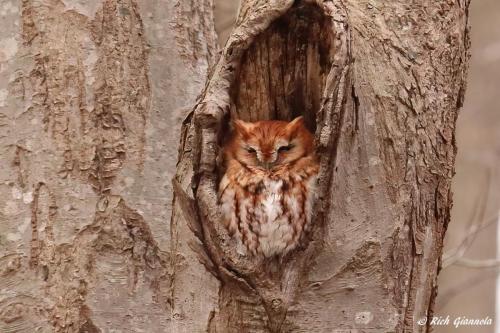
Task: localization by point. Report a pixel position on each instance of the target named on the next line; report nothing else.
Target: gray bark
(381, 84)
(91, 100)
(92, 95)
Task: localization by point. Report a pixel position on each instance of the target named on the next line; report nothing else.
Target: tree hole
(283, 73)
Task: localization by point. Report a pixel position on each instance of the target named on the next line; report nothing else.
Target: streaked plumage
(266, 194)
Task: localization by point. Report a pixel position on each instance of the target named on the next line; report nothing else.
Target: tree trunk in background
(92, 95)
(91, 100)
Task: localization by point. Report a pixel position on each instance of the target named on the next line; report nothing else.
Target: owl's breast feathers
(269, 212)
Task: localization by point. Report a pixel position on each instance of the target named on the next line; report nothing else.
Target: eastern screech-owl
(267, 192)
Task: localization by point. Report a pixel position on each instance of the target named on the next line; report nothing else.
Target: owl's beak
(268, 165)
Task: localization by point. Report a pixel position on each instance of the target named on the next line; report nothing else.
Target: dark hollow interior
(283, 73)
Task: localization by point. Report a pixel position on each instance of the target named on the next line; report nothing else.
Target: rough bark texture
(92, 95)
(90, 99)
(381, 84)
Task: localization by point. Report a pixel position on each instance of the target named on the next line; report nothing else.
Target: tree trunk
(92, 96)
(381, 85)
(91, 99)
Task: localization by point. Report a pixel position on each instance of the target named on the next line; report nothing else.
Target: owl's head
(269, 144)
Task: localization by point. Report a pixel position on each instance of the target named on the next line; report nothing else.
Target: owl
(266, 194)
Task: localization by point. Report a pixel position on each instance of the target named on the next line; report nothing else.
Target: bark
(381, 85)
(92, 95)
(91, 100)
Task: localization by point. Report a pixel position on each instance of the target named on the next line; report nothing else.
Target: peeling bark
(381, 85)
(88, 99)
(92, 98)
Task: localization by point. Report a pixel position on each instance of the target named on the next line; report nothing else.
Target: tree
(381, 85)
(88, 139)
(91, 100)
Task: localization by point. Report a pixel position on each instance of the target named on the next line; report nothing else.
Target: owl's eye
(250, 150)
(285, 148)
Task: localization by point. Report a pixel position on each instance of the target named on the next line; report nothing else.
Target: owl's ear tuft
(295, 125)
(241, 126)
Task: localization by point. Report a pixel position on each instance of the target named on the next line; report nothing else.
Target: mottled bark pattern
(381, 85)
(89, 99)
